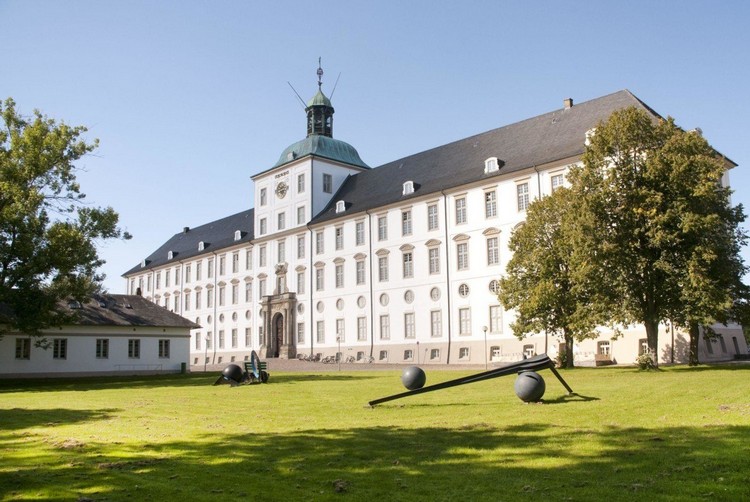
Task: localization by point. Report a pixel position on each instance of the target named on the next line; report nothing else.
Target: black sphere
(529, 386)
(413, 378)
(233, 373)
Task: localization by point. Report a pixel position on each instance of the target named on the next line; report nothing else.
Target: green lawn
(677, 434)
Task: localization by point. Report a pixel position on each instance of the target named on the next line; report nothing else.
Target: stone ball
(413, 377)
(529, 386)
(233, 373)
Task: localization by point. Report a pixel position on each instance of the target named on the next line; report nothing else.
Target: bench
(262, 371)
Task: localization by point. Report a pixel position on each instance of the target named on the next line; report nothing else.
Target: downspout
(216, 302)
(447, 275)
(310, 313)
(372, 299)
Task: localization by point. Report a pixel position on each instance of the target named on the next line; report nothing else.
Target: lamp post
(486, 359)
(417, 352)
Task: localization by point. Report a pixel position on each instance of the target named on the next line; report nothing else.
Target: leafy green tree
(661, 234)
(48, 235)
(540, 281)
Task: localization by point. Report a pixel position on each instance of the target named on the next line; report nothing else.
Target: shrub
(645, 362)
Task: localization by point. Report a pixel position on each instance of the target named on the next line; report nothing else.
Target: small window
(60, 348)
(491, 165)
(170, 255)
(603, 348)
(201, 246)
(237, 235)
(383, 356)
(327, 183)
(463, 290)
(528, 351)
(434, 354)
(408, 355)
(463, 353)
(494, 287)
(435, 294)
(408, 188)
(23, 348)
(164, 349)
(340, 206)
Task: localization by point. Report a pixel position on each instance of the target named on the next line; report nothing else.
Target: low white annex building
(114, 335)
(397, 263)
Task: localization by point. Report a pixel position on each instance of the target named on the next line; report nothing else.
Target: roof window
(170, 255)
(491, 165)
(201, 246)
(340, 206)
(408, 188)
(237, 235)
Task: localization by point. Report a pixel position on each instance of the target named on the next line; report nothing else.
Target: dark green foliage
(47, 236)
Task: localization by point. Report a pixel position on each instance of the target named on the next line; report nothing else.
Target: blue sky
(190, 98)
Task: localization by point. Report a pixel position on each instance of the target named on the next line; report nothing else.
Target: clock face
(281, 190)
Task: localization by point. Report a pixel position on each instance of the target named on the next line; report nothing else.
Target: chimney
(568, 103)
(185, 230)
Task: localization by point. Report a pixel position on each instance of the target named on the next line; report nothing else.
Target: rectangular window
(463, 353)
(235, 294)
(221, 338)
(166, 278)
(281, 252)
(327, 183)
(385, 327)
(409, 331)
(234, 338)
(262, 288)
(176, 303)
(436, 324)
(493, 251)
(222, 265)
(262, 256)
(210, 298)
(340, 275)
(340, 335)
(188, 273)
(496, 319)
(434, 354)
(235, 262)
(603, 348)
(222, 290)
(23, 348)
(432, 217)
(490, 204)
(556, 181)
(460, 210)
(209, 340)
(263, 196)
(382, 228)
(60, 348)
(320, 332)
(148, 283)
(300, 247)
(434, 255)
(361, 329)
(300, 283)
(359, 231)
(522, 193)
(164, 349)
(210, 271)
(319, 242)
(102, 348)
(198, 270)
(360, 272)
(176, 276)
(408, 262)
(383, 268)
(464, 321)
(249, 259)
(300, 332)
(187, 301)
(408, 355)
(198, 341)
(198, 300)
(263, 226)
(248, 292)
(301, 215)
(301, 183)
(134, 348)
(339, 238)
(319, 279)
(462, 255)
(406, 222)
(248, 337)
(281, 221)
(158, 280)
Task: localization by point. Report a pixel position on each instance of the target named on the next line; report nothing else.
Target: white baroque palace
(395, 264)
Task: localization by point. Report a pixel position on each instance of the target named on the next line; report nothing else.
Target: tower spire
(319, 110)
(320, 74)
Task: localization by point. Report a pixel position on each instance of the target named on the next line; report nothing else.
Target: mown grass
(676, 434)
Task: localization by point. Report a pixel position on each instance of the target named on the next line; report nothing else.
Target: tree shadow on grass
(25, 418)
(106, 382)
(473, 462)
(317, 377)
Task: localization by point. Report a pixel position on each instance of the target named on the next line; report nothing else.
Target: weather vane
(320, 75)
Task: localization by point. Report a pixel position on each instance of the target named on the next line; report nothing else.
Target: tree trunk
(569, 363)
(694, 338)
(652, 337)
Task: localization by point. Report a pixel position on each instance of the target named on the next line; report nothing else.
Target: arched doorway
(278, 334)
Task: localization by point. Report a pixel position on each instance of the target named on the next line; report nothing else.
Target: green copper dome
(322, 146)
(319, 99)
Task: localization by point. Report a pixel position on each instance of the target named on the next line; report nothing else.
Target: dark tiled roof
(127, 310)
(215, 235)
(532, 142)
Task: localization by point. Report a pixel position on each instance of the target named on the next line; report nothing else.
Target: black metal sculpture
(535, 363)
(255, 372)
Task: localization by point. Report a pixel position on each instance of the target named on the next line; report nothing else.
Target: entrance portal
(278, 334)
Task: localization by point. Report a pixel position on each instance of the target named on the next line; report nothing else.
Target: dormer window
(408, 188)
(143, 263)
(201, 246)
(170, 255)
(340, 206)
(237, 235)
(491, 165)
